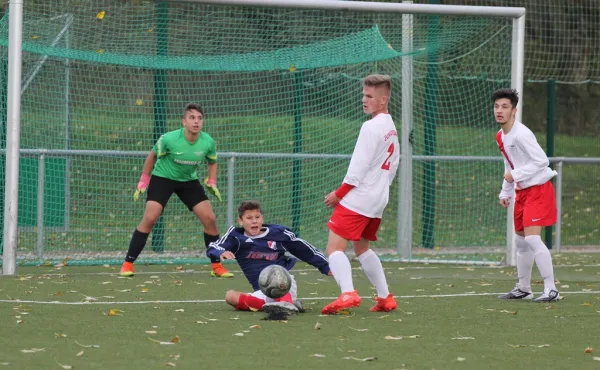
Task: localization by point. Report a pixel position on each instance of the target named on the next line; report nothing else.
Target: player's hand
(141, 186)
(330, 273)
(227, 255)
(508, 177)
(505, 202)
(331, 200)
(211, 185)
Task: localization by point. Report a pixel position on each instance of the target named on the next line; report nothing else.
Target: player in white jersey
(360, 200)
(527, 174)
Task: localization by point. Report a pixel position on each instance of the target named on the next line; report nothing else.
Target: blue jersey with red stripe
(254, 253)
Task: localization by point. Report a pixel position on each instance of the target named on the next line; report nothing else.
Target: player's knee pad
(249, 302)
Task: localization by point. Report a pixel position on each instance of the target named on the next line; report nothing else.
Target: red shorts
(535, 206)
(353, 226)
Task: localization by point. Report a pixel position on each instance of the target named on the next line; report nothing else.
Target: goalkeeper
(172, 167)
(255, 246)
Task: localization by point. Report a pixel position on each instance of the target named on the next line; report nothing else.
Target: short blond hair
(377, 80)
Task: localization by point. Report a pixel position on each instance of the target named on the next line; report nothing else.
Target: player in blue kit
(255, 246)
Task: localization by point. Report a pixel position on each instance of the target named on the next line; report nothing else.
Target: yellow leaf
(587, 304)
(588, 350)
(35, 37)
(175, 339)
(292, 68)
(100, 16)
(114, 312)
(100, 51)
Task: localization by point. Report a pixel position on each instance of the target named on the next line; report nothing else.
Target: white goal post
(405, 227)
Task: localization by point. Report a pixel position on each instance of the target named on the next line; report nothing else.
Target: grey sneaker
(516, 293)
(300, 306)
(279, 310)
(549, 295)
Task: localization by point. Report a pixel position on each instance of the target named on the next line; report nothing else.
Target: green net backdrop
(281, 92)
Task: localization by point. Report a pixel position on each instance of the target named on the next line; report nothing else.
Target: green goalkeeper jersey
(178, 159)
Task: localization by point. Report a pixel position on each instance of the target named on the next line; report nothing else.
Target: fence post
(550, 131)
(559, 178)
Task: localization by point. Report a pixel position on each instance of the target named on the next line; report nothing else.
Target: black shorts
(160, 190)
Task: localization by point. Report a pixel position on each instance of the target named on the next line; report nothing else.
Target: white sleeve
(508, 189)
(360, 163)
(537, 157)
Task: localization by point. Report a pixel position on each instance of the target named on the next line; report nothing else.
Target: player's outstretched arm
(145, 177)
(226, 243)
(306, 252)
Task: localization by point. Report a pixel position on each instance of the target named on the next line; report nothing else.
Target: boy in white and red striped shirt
(527, 174)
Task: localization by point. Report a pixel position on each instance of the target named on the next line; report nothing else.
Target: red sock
(286, 298)
(249, 302)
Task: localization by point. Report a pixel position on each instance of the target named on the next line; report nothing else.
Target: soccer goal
(280, 84)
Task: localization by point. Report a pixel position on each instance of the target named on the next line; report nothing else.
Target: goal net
(281, 92)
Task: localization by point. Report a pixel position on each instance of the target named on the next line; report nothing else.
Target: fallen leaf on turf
(150, 331)
(180, 310)
(255, 327)
(114, 312)
(201, 322)
(516, 345)
(384, 316)
(163, 343)
(392, 338)
(124, 290)
(20, 321)
(239, 334)
(551, 307)
(540, 345)
(596, 358)
(588, 350)
(206, 318)
(79, 354)
(463, 338)
(358, 329)
(33, 350)
(317, 355)
(87, 345)
(361, 359)
(90, 299)
(66, 367)
(175, 339)
(60, 335)
(106, 282)
(587, 304)
(317, 326)
(460, 359)
(171, 364)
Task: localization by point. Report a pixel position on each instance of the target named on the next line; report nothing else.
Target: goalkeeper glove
(212, 188)
(141, 186)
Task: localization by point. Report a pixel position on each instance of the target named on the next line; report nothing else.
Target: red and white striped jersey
(524, 158)
(373, 167)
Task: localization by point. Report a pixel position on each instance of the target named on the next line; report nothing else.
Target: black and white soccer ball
(275, 281)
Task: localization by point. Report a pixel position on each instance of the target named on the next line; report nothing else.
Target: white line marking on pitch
(83, 303)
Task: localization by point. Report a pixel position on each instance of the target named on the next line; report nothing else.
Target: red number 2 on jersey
(387, 163)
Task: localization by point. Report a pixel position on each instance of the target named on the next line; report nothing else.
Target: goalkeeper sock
(210, 239)
(341, 270)
(136, 245)
(372, 267)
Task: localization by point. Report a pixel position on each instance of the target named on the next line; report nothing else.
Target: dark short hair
(192, 106)
(510, 94)
(248, 205)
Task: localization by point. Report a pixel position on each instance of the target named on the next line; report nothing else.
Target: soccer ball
(274, 281)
